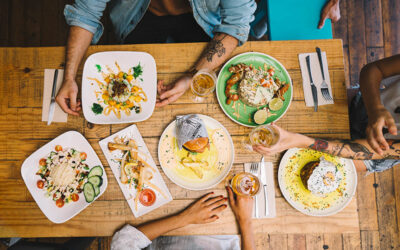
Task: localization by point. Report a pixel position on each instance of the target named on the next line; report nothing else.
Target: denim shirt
(232, 17)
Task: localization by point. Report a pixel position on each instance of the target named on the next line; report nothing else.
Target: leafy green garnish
(137, 71)
(97, 108)
(98, 68)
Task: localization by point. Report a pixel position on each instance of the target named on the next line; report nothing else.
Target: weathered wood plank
(391, 26)
(351, 241)
(370, 240)
(374, 54)
(111, 215)
(16, 33)
(4, 22)
(262, 241)
(278, 241)
(356, 38)
(340, 28)
(333, 242)
(396, 179)
(366, 197)
(32, 14)
(386, 203)
(296, 242)
(373, 23)
(314, 241)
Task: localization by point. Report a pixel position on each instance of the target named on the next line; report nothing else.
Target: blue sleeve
(236, 17)
(86, 14)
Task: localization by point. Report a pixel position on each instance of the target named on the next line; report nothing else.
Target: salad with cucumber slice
(91, 189)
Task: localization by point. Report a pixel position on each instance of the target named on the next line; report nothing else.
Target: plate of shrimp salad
(253, 82)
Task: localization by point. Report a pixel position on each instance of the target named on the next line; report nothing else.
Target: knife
(53, 98)
(264, 184)
(313, 88)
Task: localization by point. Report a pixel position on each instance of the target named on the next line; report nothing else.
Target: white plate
(288, 190)
(70, 139)
(126, 60)
(130, 193)
(190, 184)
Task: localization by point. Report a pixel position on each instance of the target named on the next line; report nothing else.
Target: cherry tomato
(42, 162)
(40, 184)
(83, 156)
(58, 148)
(74, 197)
(60, 202)
(147, 197)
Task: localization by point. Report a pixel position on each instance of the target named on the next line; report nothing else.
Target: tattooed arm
(217, 51)
(357, 149)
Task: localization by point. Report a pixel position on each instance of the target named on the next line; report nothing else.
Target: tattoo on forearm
(357, 151)
(215, 47)
(344, 148)
(320, 145)
(354, 150)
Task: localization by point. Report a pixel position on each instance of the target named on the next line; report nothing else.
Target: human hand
(331, 10)
(204, 210)
(67, 97)
(377, 119)
(242, 206)
(286, 140)
(171, 92)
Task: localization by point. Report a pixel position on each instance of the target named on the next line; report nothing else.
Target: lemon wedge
(275, 104)
(260, 117)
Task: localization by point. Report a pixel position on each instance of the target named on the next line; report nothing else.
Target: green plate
(242, 113)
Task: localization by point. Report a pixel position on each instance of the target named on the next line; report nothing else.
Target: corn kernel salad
(119, 91)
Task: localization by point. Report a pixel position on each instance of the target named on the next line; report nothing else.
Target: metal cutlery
(254, 171)
(263, 180)
(324, 85)
(53, 99)
(313, 88)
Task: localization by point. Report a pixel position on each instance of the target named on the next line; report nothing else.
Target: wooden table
(22, 132)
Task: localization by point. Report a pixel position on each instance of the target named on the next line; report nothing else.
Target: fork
(324, 85)
(254, 171)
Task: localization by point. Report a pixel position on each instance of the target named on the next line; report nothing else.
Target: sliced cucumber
(88, 191)
(97, 170)
(96, 180)
(96, 190)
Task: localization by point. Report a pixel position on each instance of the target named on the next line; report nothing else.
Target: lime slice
(260, 117)
(275, 104)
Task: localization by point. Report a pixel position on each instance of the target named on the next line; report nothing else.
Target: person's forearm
(159, 227)
(78, 42)
(247, 235)
(370, 79)
(356, 150)
(216, 52)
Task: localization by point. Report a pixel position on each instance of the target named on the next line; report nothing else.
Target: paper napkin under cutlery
(59, 114)
(317, 77)
(270, 190)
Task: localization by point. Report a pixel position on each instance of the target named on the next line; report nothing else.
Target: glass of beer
(244, 184)
(202, 85)
(264, 135)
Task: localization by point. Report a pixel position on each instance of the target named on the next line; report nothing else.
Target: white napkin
(59, 114)
(317, 78)
(270, 192)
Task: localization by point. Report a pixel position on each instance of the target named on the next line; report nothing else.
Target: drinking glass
(264, 135)
(202, 85)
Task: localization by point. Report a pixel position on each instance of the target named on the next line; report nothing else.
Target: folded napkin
(59, 114)
(270, 192)
(317, 78)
